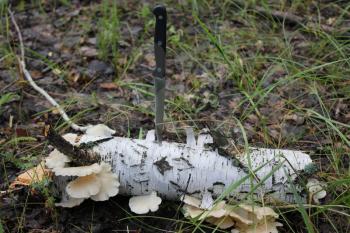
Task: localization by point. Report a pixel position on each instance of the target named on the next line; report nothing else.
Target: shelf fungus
(100, 130)
(241, 218)
(95, 181)
(145, 203)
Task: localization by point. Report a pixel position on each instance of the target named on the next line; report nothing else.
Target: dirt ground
(285, 78)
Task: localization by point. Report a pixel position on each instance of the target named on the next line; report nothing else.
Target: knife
(159, 72)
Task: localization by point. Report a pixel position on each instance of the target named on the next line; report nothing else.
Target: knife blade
(159, 72)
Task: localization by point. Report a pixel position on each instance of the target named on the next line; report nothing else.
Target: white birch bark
(173, 169)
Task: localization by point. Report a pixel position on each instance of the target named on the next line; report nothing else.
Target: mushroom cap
(265, 227)
(84, 187)
(193, 208)
(192, 211)
(259, 212)
(192, 201)
(77, 171)
(252, 219)
(265, 212)
(56, 160)
(145, 203)
(71, 202)
(216, 215)
(100, 130)
(218, 210)
(239, 215)
(316, 189)
(222, 222)
(109, 183)
(71, 138)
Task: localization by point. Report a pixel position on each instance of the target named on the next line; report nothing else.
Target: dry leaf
(31, 176)
(88, 51)
(150, 60)
(109, 86)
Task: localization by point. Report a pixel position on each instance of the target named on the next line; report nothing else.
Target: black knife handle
(160, 40)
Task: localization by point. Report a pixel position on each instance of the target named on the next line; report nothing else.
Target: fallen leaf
(57, 71)
(33, 175)
(150, 60)
(36, 74)
(88, 51)
(109, 86)
(92, 41)
(299, 120)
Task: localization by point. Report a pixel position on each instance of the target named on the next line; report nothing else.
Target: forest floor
(284, 77)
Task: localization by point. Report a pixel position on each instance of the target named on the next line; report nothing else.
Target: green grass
(108, 31)
(6, 98)
(227, 50)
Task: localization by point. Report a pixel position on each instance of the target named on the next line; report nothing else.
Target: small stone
(96, 67)
(88, 51)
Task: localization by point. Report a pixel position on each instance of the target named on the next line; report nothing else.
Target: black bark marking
(190, 166)
(143, 159)
(140, 181)
(218, 183)
(180, 190)
(90, 145)
(162, 165)
(142, 146)
(135, 150)
(175, 184)
(194, 192)
(271, 191)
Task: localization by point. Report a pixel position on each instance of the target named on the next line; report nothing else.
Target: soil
(63, 58)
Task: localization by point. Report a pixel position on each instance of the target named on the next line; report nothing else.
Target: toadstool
(77, 171)
(56, 159)
(145, 203)
(100, 130)
(245, 218)
(316, 190)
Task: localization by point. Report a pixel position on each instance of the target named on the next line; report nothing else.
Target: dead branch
(22, 64)
(79, 155)
(295, 20)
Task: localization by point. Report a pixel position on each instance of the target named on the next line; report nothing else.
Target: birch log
(173, 169)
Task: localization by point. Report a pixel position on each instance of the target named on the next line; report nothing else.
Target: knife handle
(160, 40)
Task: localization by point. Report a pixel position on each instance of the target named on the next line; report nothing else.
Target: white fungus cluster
(96, 181)
(242, 218)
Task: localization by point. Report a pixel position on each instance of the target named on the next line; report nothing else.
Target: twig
(294, 19)
(281, 15)
(6, 192)
(77, 155)
(21, 61)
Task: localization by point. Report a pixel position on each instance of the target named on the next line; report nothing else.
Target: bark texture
(173, 169)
